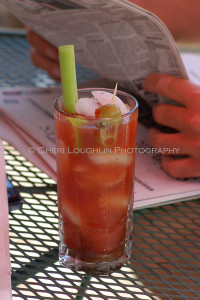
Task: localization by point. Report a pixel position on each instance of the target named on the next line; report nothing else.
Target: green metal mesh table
(165, 260)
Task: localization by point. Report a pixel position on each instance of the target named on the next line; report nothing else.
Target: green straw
(68, 77)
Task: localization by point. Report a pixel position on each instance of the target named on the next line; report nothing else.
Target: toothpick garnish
(114, 94)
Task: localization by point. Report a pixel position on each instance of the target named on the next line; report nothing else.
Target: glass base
(94, 264)
(94, 268)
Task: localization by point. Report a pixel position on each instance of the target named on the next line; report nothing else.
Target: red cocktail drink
(95, 176)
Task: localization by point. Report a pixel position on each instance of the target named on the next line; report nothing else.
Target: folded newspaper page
(33, 135)
(117, 39)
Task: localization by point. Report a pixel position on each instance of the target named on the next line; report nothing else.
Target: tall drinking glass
(95, 178)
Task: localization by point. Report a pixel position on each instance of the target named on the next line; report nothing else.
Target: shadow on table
(164, 262)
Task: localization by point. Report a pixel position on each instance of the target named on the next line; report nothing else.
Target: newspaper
(117, 39)
(33, 134)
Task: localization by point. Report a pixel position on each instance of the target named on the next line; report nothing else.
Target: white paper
(153, 185)
(192, 65)
(32, 122)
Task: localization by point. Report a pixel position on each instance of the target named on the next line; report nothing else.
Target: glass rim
(71, 115)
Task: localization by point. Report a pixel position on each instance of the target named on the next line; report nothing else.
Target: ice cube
(71, 211)
(86, 107)
(106, 98)
(100, 175)
(114, 158)
(118, 201)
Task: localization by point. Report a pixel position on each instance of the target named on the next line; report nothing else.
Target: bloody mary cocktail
(95, 177)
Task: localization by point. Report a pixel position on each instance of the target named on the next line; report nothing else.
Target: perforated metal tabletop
(165, 261)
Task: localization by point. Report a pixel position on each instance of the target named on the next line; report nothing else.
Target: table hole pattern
(164, 262)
